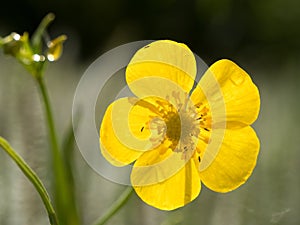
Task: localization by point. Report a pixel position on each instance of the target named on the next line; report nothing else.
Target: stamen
(179, 125)
(205, 139)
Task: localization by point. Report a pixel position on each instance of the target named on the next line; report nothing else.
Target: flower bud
(55, 48)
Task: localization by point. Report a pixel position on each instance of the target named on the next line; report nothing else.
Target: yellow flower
(178, 136)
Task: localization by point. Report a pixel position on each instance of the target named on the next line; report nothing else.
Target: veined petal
(115, 148)
(127, 129)
(175, 192)
(212, 120)
(234, 88)
(234, 162)
(157, 165)
(156, 66)
(140, 116)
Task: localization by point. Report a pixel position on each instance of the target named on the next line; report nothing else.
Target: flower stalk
(115, 206)
(64, 200)
(34, 55)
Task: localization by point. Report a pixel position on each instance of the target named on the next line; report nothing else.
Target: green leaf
(33, 178)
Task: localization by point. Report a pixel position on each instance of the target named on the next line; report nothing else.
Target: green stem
(56, 157)
(50, 121)
(115, 207)
(63, 198)
(34, 179)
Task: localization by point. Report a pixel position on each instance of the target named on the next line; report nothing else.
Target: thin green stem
(63, 195)
(50, 121)
(115, 207)
(34, 179)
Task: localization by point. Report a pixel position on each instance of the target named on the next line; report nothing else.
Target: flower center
(179, 124)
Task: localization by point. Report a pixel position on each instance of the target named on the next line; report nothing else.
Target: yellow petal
(157, 165)
(116, 151)
(234, 162)
(140, 116)
(175, 192)
(126, 132)
(157, 67)
(209, 100)
(234, 88)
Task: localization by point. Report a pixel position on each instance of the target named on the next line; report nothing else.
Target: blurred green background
(263, 37)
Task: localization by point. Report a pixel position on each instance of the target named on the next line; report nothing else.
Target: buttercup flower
(177, 136)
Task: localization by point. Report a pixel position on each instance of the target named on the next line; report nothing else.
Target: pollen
(180, 124)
